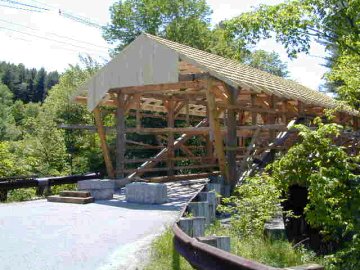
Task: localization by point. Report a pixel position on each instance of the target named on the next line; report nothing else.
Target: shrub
(327, 171)
(253, 203)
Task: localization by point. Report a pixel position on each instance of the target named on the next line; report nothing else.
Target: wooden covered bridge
(237, 114)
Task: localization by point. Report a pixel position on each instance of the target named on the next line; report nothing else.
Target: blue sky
(37, 39)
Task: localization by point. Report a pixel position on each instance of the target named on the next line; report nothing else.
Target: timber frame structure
(237, 113)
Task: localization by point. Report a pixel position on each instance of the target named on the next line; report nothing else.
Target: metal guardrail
(41, 184)
(206, 257)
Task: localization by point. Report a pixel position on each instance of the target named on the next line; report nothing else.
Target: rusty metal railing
(206, 257)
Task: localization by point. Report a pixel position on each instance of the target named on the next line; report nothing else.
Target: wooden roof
(244, 76)
(151, 60)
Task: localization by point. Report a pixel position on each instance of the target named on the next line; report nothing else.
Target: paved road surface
(39, 235)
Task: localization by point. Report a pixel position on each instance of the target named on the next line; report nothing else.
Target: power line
(51, 33)
(62, 12)
(23, 4)
(62, 48)
(71, 15)
(45, 38)
(45, 4)
(18, 8)
(79, 19)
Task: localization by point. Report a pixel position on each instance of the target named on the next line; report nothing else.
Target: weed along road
(110, 234)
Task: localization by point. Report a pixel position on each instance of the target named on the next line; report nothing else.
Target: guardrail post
(210, 197)
(221, 242)
(44, 187)
(214, 186)
(40, 191)
(3, 195)
(194, 227)
(226, 191)
(200, 209)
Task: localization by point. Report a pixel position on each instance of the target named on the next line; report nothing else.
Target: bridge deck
(104, 235)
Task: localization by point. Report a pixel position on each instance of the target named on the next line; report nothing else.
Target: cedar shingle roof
(241, 75)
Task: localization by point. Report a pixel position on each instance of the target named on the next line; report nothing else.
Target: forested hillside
(32, 105)
(27, 85)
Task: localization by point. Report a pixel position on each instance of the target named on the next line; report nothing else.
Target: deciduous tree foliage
(328, 173)
(186, 22)
(295, 23)
(269, 62)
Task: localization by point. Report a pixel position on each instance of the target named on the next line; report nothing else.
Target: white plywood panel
(143, 62)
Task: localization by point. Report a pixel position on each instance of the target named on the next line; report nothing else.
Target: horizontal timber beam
(158, 87)
(140, 160)
(188, 130)
(193, 76)
(165, 169)
(162, 179)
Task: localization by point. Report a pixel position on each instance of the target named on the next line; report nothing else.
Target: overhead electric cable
(62, 12)
(71, 15)
(45, 4)
(51, 33)
(58, 47)
(54, 40)
(24, 9)
(23, 4)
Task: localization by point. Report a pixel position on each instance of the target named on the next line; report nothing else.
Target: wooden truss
(234, 126)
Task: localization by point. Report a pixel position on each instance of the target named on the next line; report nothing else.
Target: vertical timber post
(138, 111)
(120, 136)
(284, 118)
(272, 118)
(209, 140)
(253, 114)
(231, 137)
(241, 123)
(170, 141)
(104, 147)
(215, 130)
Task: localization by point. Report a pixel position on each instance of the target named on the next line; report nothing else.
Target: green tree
(224, 45)
(8, 128)
(8, 165)
(183, 21)
(82, 148)
(27, 84)
(267, 61)
(39, 86)
(297, 23)
(294, 24)
(328, 173)
(346, 73)
(186, 22)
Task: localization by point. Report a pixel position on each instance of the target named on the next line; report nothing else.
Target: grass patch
(272, 252)
(163, 256)
(276, 253)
